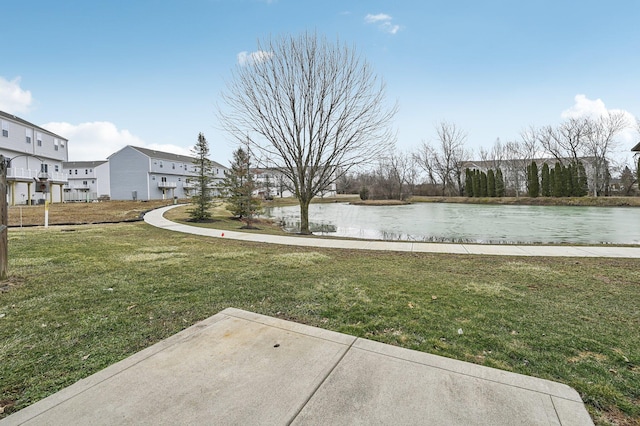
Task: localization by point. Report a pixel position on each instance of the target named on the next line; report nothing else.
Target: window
(84, 182)
(163, 179)
(93, 181)
(161, 164)
(173, 165)
(44, 168)
(39, 138)
(5, 129)
(56, 168)
(56, 144)
(70, 172)
(76, 171)
(29, 135)
(62, 143)
(86, 171)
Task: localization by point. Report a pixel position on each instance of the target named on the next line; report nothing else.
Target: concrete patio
(238, 367)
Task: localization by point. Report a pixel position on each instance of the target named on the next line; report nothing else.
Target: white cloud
(13, 99)
(97, 140)
(585, 107)
(246, 58)
(372, 19)
(384, 22)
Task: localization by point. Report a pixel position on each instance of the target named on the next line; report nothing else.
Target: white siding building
(36, 156)
(144, 174)
(87, 180)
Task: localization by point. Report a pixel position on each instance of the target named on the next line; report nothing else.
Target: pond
(470, 223)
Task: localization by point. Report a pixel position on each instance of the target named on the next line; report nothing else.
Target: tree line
(573, 158)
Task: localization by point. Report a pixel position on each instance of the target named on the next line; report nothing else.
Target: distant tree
(238, 187)
(558, 181)
(468, 183)
(443, 162)
(204, 170)
(534, 183)
(499, 183)
(364, 193)
(483, 185)
(475, 177)
(583, 180)
(545, 188)
(313, 108)
(491, 183)
(627, 181)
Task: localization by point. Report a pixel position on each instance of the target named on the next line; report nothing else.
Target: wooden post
(4, 221)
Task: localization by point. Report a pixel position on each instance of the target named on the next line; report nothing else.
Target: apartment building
(144, 174)
(87, 181)
(35, 159)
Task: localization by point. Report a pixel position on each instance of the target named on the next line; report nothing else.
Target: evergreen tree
(558, 181)
(491, 183)
(534, 183)
(483, 184)
(476, 183)
(583, 183)
(566, 173)
(204, 169)
(468, 183)
(546, 188)
(552, 182)
(571, 180)
(499, 183)
(238, 187)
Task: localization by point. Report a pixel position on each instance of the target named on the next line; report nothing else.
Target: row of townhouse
(36, 157)
(39, 169)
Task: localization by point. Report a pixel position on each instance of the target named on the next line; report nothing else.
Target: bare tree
(598, 143)
(565, 142)
(444, 162)
(396, 176)
(313, 108)
(495, 156)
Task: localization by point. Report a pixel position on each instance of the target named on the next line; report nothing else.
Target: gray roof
(28, 124)
(161, 155)
(636, 148)
(82, 164)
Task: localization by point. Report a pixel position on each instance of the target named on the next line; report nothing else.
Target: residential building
(272, 183)
(87, 180)
(144, 174)
(36, 156)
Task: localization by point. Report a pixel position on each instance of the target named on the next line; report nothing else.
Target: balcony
(27, 175)
(167, 185)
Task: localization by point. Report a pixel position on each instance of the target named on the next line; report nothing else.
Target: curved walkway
(156, 218)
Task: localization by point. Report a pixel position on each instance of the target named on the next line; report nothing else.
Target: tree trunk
(4, 243)
(304, 217)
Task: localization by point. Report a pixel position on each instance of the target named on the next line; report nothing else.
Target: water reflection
(466, 223)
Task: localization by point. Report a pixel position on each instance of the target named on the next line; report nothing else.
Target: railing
(167, 185)
(20, 173)
(16, 173)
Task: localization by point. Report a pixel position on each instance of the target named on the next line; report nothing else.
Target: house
(36, 156)
(87, 180)
(145, 174)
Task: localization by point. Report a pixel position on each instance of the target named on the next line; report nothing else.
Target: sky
(109, 73)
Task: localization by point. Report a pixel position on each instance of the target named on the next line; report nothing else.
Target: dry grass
(77, 213)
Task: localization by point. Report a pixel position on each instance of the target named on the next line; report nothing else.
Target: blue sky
(107, 73)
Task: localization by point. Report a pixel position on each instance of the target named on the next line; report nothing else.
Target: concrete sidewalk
(237, 367)
(155, 218)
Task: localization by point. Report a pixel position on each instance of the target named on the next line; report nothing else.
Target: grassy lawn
(83, 297)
